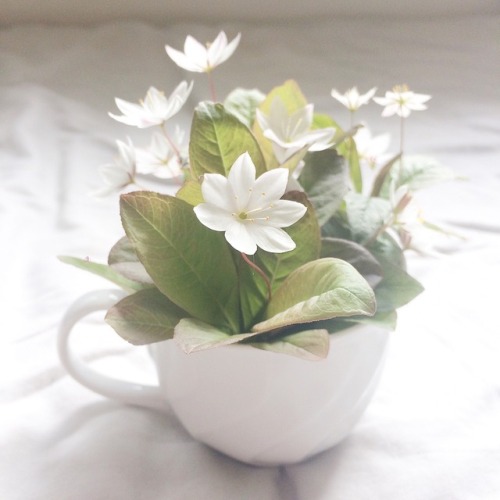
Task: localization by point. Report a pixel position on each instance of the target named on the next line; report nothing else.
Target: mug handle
(127, 392)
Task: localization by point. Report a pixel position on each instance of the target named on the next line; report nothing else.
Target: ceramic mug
(256, 406)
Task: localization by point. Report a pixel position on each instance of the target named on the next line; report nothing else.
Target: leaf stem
(259, 271)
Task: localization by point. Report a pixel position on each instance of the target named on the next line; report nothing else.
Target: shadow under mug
(259, 407)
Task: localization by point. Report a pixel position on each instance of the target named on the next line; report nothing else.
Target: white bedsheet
(433, 429)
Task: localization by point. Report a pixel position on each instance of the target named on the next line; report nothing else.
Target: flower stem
(259, 271)
(211, 85)
(402, 135)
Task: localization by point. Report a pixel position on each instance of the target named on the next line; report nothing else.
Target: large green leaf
(193, 335)
(417, 172)
(277, 266)
(188, 262)
(321, 289)
(218, 138)
(366, 216)
(350, 152)
(307, 344)
(191, 193)
(359, 257)
(324, 180)
(104, 271)
(396, 289)
(242, 103)
(123, 259)
(145, 317)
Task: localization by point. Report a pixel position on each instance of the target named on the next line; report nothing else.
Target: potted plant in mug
(265, 249)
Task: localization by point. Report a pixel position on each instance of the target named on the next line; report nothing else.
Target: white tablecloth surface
(433, 429)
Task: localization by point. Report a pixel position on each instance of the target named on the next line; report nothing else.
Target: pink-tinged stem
(211, 85)
(258, 270)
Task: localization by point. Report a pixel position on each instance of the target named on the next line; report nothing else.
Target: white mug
(256, 406)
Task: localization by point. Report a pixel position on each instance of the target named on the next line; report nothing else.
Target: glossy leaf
(123, 259)
(309, 344)
(396, 289)
(242, 103)
(417, 172)
(359, 257)
(324, 180)
(145, 317)
(194, 335)
(188, 262)
(319, 290)
(104, 271)
(218, 138)
(365, 216)
(191, 193)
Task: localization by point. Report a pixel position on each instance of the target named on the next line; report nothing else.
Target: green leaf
(383, 319)
(359, 257)
(218, 138)
(324, 180)
(382, 175)
(188, 262)
(104, 271)
(365, 216)
(242, 103)
(417, 172)
(123, 259)
(349, 151)
(319, 290)
(396, 289)
(194, 335)
(277, 266)
(191, 193)
(308, 344)
(387, 251)
(145, 317)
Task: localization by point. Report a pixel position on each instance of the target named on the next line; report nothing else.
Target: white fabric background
(433, 429)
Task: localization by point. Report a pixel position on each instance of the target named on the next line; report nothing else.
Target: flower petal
(270, 186)
(241, 178)
(282, 213)
(270, 239)
(213, 217)
(217, 191)
(182, 60)
(238, 236)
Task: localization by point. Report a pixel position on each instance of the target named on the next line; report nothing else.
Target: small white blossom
(203, 59)
(402, 101)
(371, 149)
(249, 210)
(155, 109)
(290, 133)
(352, 99)
(121, 173)
(159, 159)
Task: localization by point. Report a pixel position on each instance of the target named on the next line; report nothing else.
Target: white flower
(159, 159)
(371, 149)
(249, 211)
(203, 59)
(352, 99)
(155, 109)
(121, 173)
(401, 101)
(290, 133)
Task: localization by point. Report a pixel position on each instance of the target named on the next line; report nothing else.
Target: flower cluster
(284, 227)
